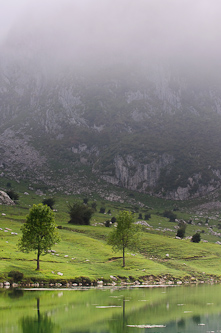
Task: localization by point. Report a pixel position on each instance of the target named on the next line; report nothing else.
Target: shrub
(170, 215)
(113, 219)
(16, 276)
(182, 229)
(80, 213)
(140, 216)
(13, 195)
(102, 210)
(181, 232)
(147, 217)
(94, 206)
(196, 238)
(107, 223)
(49, 202)
(85, 200)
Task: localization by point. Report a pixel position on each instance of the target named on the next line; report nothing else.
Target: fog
(183, 33)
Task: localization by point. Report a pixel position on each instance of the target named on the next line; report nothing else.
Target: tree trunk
(123, 258)
(38, 263)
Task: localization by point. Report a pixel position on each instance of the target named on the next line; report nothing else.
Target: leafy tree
(196, 238)
(49, 202)
(39, 231)
(125, 234)
(80, 213)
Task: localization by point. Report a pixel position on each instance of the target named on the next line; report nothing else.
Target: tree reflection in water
(118, 324)
(39, 324)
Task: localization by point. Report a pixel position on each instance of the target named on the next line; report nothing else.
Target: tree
(80, 213)
(182, 229)
(125, 234)
(39, 231)
(49, 202)
(196, 238)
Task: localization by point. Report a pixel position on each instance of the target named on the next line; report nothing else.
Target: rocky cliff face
(150, 131)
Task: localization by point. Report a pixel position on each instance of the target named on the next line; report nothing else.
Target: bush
(80, 213)
(16, 276)
(113, 219)
(13, 195)
(196, 238)
(170, 215)
(49, 202)
(94, 206)
(140, 216)
(181, 232)
(102, 210)
(147, 217)
(85, 200)
(182, 229)
(107, 223)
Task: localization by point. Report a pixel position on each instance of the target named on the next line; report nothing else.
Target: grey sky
(178, 30)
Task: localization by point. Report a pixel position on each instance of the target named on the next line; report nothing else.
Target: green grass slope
(84, 256)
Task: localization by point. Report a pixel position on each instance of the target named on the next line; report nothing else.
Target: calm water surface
(172, 309)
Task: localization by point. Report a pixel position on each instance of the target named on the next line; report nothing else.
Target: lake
(112, 310)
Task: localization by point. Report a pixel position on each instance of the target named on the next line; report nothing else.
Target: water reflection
(38, 324)
(181, 309)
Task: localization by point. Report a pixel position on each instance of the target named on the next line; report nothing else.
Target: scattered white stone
(26, 193)
(113, 277)
(59, 273)
(52, 272)
(66, 256)
(167, 255)
(3, 214)
(6, 283)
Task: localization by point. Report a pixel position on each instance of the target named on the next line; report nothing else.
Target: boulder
(5, 199)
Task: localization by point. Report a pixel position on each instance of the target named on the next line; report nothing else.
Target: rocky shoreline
(150, 281)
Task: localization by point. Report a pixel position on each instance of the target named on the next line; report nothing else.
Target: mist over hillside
(124, 91)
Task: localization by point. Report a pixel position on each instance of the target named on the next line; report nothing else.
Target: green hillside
(84, 256)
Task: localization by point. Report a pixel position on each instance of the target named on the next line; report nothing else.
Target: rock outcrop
(5, 199)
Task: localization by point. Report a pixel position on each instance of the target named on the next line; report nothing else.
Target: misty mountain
(144, 129)
(90, 93)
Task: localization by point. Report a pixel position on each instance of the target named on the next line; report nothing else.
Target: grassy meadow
(84, 256)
